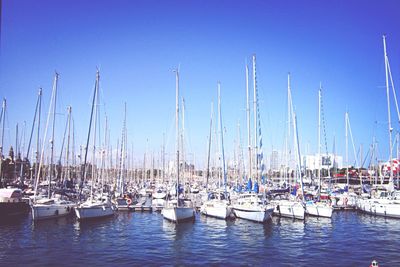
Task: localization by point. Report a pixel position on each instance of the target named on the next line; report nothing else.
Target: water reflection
(176, 231)
(348, 239)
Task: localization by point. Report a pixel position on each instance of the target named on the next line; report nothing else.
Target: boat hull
(380, 207)
(48, 211)
(255, 215)
(93, 212)
(319, 210)
(216, 210)
(289, 209)
(178, 214)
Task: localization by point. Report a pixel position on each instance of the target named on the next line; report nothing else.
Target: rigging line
(352, 141)
(323, 124)
(393, 89)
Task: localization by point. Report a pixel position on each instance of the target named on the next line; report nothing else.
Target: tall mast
(163, 159)
(221, 132)
(248, 120)
(255, 119)
(95, 133)
(177, 129)
(68, 141)
(288, 154)
(209, 145)
(90, 127)
(297, 143)
(182, 150)
(388, 108)
(53, 129)
(347, 149)
(319, 139)
(37, 110)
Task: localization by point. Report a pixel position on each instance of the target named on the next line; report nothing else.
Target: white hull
(256, 214)
(290, 209)
(217, 209)
(177, 214)
(47, 211)
(95, 211)
(319, 210)
(159, 195)
(379, 207)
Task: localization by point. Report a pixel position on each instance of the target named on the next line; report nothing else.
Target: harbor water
(349, 238)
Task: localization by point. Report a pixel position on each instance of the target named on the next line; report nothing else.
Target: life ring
(129, 201)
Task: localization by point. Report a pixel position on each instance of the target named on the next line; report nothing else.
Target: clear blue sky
(136, 44)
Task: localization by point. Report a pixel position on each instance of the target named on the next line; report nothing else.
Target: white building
(274, 161)
(325, 161)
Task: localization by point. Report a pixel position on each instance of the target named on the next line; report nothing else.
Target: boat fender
(128, 201)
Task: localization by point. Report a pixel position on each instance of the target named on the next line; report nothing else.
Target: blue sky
(137, 44)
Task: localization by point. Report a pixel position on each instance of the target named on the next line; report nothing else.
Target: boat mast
(346, 117)
(68, 142)
(297, 143)
(37, 110)
(182, 149)
(53, 129)
(248, 120)
(96, 104)
(221, 132)
(319, 140)
(255, 119)
(90, 127)
(209, 145)
(288, 153)
(388, 108)
(177, 130)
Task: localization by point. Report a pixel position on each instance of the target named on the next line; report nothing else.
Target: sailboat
(177, 209)
(251, 206)
(100, 205)
(319, 208)
(11, 199)
(123, 201)
(50, 206)
(218, 204)
(292, 207)
(385, 204)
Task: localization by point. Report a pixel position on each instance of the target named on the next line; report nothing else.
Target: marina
(199, 133)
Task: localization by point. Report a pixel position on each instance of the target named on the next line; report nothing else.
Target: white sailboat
(319, 208)
(251, 206)
(385, 204)
(100, 206)
(177, 209)
(50, 206)
(218, 205)
(292, 208)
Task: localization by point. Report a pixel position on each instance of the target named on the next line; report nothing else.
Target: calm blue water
(347, 239)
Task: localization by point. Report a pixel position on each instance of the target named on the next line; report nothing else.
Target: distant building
(274, 161)
(325, 161)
